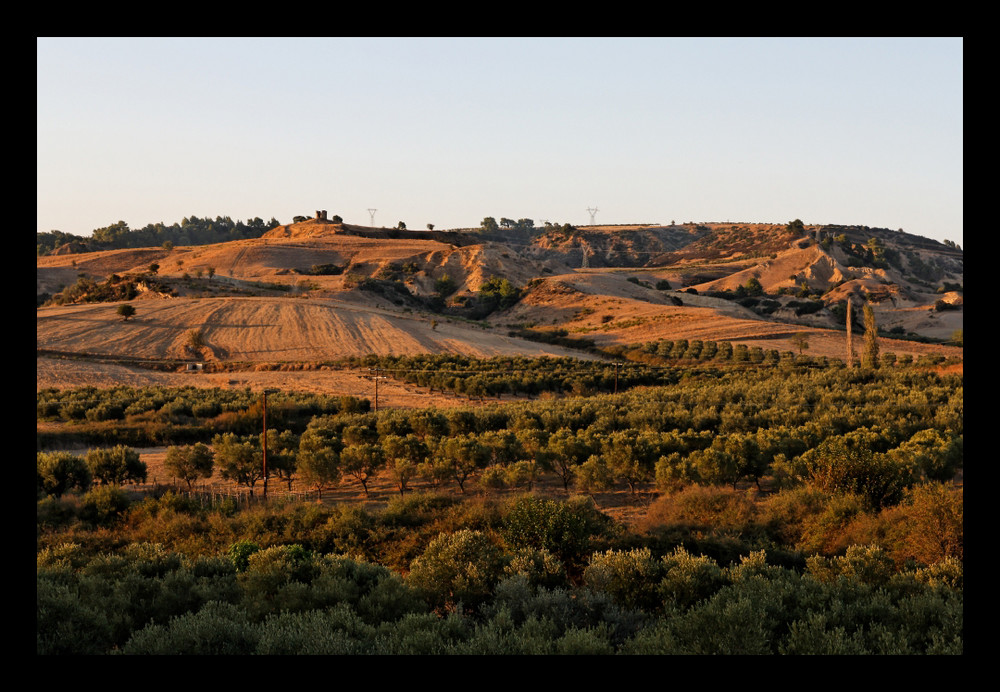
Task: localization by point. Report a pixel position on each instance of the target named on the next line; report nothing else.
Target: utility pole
(266, 392)
(376, 377)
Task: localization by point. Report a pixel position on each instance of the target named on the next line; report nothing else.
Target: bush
(59, 472)
(493, 477)
(703, 507)
(838, 467)
(116, 466)
(867, 564)
(240, 553)
(216, 629)
(103, 505)
(563, 528)
(928, 526)
(331, 632)
(538, 567)
(630, 577)
(461, 567)
(688, 579)
(66, 624)
(52, 512)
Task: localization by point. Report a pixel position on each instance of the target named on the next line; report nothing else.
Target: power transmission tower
(586, 263)
(592, 212)
(371, 213)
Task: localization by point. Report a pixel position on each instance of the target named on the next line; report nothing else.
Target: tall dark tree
(869, 357)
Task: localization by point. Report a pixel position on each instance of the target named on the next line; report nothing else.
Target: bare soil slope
(267, 329)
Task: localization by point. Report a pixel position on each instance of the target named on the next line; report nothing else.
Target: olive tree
(630, 577)
(460, 457)
(59, 472)
(115, 466)
(564, 452)
(281, 454)
(630, 457)
(241, 461)
(362, 460)
(463, 566)
(190, 462)
(404, 454)
(318, 467)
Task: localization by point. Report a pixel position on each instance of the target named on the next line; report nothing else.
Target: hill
(317, 291)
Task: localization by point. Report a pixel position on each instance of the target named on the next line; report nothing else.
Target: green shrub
(838, 466)
(65, 623)
(60, 472)
(217, 629)
(240, 553)
(630, 577)
(563, 528)
(115, 466)
(338, 630)
(458, 567)
(104, 504)
(688, 579)
(868, 564)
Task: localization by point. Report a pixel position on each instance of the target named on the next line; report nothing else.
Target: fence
(211, 496)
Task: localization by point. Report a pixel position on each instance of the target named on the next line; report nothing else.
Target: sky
(447, 131)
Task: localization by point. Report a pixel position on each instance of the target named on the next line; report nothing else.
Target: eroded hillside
(318, 290)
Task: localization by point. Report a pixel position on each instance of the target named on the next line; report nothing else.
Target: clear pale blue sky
(450, 130)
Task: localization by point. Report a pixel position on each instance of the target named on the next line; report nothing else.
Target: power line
(630, 252)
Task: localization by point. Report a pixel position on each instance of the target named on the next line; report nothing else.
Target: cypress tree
(869, 358)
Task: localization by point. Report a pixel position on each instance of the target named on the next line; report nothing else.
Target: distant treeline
(190, 231)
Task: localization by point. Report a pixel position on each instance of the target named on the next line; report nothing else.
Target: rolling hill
(317, 291)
